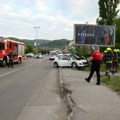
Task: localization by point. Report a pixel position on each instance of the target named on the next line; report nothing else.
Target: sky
(55, 18)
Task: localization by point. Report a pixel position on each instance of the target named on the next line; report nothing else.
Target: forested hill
(58, 43)
(61, 43)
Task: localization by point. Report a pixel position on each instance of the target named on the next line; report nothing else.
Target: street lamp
(36, 31)
(35, 44)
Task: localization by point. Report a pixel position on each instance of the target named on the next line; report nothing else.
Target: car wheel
(74, 65)
(56, 65)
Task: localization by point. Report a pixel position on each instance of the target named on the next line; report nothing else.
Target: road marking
(17, 69)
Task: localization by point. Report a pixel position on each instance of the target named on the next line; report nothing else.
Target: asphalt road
(32, 83)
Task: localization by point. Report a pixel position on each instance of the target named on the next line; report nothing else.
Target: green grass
(113, 83)
(103, 68)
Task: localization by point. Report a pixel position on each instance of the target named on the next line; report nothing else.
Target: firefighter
(118, 52)
(10, 57)
(104, 55)
(108, 60)
(115, 61)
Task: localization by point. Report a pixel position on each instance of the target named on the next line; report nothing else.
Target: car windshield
(63, 57)
(38, 54)
(30, 53)
(83, 57)
(73, 56)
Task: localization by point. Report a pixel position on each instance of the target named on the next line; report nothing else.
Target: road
(29, 91)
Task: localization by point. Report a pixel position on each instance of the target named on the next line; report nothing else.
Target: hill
(60, 44)
(26, 41)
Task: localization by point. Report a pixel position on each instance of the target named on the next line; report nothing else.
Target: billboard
(36, 43)
(94, 35)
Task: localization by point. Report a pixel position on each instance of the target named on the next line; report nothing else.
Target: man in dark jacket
(10, 56)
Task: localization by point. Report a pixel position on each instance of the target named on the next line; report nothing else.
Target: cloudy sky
(54, 17)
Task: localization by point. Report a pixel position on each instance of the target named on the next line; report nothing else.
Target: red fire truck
(7, 46)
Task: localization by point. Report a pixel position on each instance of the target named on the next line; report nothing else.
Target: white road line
(17, 69)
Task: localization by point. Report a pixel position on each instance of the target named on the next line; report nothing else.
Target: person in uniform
(10, 57)
(108, 60)
(115, 61)
(118, 52)
(95, 66)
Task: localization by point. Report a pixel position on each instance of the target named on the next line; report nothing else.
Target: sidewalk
(93, 102)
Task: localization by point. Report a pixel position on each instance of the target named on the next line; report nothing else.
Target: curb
(65, 90)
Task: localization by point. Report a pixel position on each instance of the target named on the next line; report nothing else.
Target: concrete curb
(70, 104)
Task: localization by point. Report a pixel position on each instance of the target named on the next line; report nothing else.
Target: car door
(64, 60)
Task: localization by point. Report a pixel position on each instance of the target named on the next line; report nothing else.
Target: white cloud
(54, 17)
(119, 9)
(5, 8)
(25, 12)
(41, 6)
(76, 6)
(119, 6)
(83, 7)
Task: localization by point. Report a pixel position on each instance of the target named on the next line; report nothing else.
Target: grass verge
(113, 83)
(103, 67)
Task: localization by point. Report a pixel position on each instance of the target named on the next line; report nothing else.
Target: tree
(80, 50)
(117, 23)
(29, 48)
(107, 11)
(43, 50)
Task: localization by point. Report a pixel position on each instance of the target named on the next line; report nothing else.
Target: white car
(31, 55)
(68, 60)
(38, 55)
(52, 57)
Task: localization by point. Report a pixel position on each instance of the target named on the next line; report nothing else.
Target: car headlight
(80, 63)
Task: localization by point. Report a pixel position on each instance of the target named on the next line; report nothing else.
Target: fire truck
(7, 46)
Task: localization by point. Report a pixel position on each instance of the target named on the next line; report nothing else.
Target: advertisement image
(94, 35)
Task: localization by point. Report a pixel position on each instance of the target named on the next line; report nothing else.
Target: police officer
(96, 62)
(10, 56)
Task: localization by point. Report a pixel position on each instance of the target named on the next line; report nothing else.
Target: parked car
(29, 55)
(38, 55)
(68, 60)
(54, 53)
(52, 57)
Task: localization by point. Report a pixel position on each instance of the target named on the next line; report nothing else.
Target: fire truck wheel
(4, 63)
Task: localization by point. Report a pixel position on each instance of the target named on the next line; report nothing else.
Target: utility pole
(35, 43)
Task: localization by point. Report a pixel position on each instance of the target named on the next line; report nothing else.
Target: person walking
(118, 52)
(95, 66)
(108, 61)
(10, 56)
(115, 61)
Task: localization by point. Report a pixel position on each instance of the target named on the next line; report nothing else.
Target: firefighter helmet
(105, 51)
(118, 50)
(109, 49)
